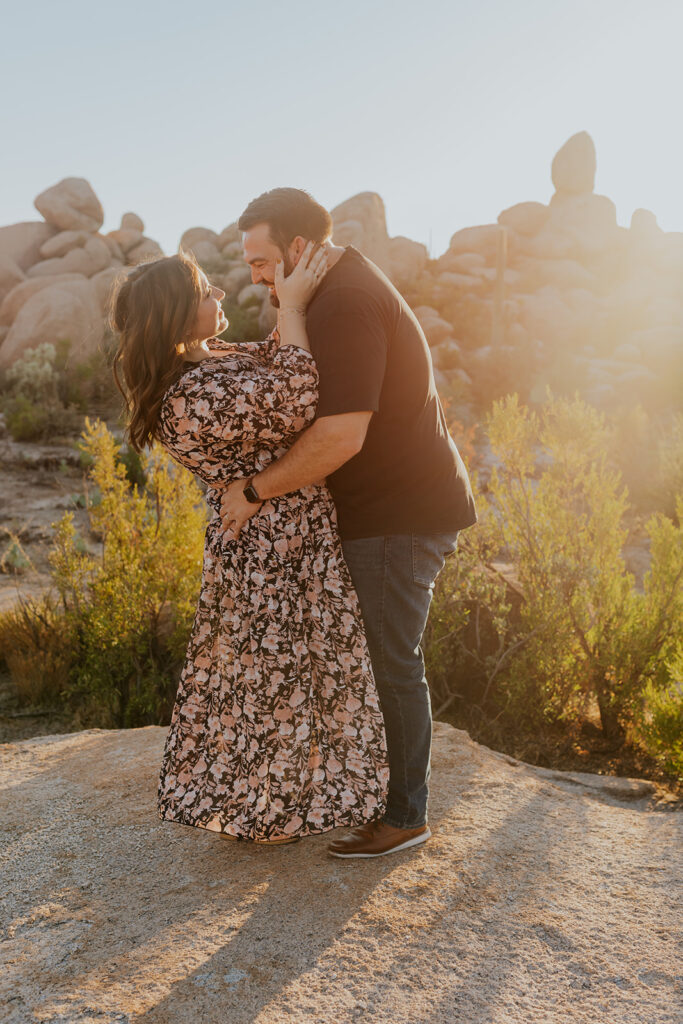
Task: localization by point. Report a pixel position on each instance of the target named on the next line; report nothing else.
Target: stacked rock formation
(603, 299)
(56, 274)
(550, 290)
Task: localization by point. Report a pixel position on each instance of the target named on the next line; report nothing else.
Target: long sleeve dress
(276, 729)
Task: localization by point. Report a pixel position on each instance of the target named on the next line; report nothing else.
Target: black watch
(251, 494)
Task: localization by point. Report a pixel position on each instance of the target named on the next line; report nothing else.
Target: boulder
(21, 293)
(628, 352)
(435, 328)
(205, 252)
(644, 224)
(447, 355)
(267, 319)
(361, 221)
(524, 218)
(235, 280)
(229, 236)
(131, 222)
(252, 295)
(67, 311)
(71, 205)
(450, 281)
(406, 259)
(62, 243)
(511, 278)
(88, 260)
(562, 273)
(482, 239)
(547, 245)
(574, 165)
(145, 250)
(125, 238)
(103, 284)
(460, 263)
(11, 275)
(114, 248)
(232, 251)
(193, 235)
(22, 242)
(589, 221)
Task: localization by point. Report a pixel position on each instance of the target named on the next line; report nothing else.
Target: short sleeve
(264, 350)
(348, 339)
(236, 406)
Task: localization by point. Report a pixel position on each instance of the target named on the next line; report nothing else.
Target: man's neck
(334, 253)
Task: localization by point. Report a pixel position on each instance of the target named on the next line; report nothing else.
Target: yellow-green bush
(581, 632)
(125, 613)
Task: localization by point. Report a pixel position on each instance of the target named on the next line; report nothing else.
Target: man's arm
(327, 444)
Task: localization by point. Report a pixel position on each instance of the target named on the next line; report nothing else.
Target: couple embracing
(336, 493)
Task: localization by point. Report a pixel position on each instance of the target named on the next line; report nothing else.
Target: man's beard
(289, 267)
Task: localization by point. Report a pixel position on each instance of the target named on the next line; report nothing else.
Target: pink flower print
(294, 825)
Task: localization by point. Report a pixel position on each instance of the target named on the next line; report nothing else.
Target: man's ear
(296, 247)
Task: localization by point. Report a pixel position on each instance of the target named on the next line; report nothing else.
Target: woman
(276, 732)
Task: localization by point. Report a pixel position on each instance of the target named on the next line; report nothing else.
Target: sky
(450, 110)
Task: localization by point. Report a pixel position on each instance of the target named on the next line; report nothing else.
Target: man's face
(262, 254)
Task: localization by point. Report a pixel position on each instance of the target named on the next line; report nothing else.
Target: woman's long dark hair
(153, 311)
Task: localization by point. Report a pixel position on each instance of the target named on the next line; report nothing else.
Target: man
(400, 487)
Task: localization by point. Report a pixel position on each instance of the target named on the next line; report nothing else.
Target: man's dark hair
(288, 212)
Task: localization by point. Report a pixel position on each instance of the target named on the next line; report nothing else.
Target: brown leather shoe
(377, 839)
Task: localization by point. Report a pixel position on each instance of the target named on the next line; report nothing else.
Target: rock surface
(71, 205)
(69, 311)
(574, 165)
(543, 896)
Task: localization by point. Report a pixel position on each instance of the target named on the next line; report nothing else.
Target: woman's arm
(294, 292)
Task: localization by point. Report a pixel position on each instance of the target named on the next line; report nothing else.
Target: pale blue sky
(452, 111)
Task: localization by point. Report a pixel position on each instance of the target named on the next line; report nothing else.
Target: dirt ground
(543, 898)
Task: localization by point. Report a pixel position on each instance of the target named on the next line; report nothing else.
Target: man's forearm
(314, 455)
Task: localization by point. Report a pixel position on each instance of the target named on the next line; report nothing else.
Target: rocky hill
(543, 897)
(553, 293)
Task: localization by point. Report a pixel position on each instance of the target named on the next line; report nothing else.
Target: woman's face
(211, 319)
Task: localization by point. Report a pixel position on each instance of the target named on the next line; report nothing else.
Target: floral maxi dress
(276, 729)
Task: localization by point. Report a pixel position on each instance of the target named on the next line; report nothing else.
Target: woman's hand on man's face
(296, 290)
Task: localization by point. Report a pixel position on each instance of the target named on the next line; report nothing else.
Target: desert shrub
(32, 404)
(36, 650)
(530, 653)
(470, 632)
(243, 322)
(590, 634)
(125, 613)
(13, 558)
(45, 393)
(648, 450)
(660, 723)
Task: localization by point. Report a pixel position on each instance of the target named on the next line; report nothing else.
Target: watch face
(251, 495)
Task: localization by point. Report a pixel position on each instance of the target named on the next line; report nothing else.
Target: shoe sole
(415, 841)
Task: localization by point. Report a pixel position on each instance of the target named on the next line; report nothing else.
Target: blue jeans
(394, 579)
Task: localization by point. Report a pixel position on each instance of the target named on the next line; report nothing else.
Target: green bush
(45, 394)
(32, 404)
(591, 634)
(660, 723)
(125, 614)
(567, 629)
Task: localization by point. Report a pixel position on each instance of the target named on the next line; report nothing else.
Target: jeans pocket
(429, 554)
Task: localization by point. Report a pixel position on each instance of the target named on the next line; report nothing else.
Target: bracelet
(293, 309)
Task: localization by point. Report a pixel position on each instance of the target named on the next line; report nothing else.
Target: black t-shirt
(372, 355)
